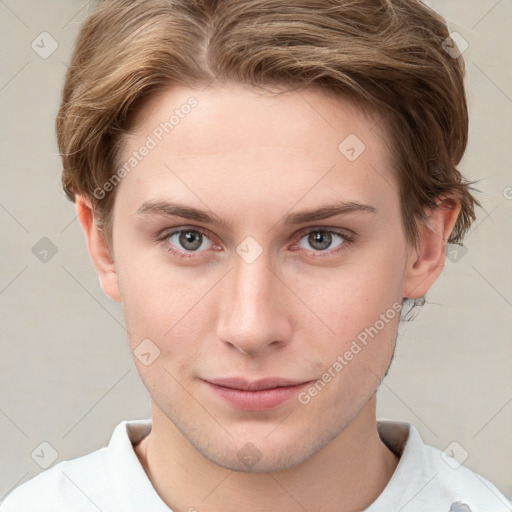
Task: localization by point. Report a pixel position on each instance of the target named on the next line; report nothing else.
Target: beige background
(66, 374)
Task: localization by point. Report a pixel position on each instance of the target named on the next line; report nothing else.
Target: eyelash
(346, 237)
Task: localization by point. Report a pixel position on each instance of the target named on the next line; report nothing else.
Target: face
(251, 242)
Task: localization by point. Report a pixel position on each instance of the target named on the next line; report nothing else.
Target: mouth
(258, 395)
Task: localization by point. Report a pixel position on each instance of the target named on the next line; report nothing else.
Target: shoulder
(74, 482)
(428, 479)
(470, 490)
(106, 479)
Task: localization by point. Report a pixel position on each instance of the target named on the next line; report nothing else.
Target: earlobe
(98, 249)
(426, 260)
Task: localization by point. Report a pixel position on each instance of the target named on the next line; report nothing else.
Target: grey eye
(321, 240)
(188, 239)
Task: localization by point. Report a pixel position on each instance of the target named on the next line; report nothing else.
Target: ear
(426, 260)
(98, 249)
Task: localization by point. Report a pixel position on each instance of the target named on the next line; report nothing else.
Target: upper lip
(254, 385)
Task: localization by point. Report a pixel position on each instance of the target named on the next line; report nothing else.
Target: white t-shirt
(112, 479)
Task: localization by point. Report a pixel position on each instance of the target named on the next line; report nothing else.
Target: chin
(261, 449)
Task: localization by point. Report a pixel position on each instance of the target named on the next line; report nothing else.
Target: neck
(347, 474)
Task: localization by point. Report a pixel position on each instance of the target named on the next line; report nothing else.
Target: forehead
(261, 147)
(278, 117)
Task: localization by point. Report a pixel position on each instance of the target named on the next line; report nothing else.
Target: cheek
(165, 305)
(351, 297)
(148, 299)
(357, 312)
(162, 318)
(357, 357)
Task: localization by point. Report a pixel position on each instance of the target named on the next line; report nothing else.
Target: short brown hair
(386, 55)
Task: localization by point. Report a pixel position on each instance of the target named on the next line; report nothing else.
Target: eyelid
(164, 235)
(168, 232)
(347, 235)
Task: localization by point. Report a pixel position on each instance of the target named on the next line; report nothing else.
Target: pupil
(322, 237)
(188, 238)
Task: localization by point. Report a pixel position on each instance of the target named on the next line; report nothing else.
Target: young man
(263, 184)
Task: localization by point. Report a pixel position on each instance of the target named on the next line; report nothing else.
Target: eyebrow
(169, 209)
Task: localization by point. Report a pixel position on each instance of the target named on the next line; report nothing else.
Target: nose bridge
(251, 283)
(250, 316)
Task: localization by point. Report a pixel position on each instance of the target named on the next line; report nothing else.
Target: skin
(252, 158)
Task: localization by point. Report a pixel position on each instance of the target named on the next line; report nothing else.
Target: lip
(258, 395)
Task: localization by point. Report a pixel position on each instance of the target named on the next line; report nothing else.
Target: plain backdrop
(66, 372)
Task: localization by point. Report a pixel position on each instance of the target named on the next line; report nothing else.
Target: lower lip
(260, 400)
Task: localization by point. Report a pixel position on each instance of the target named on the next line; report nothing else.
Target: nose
(253, 313)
